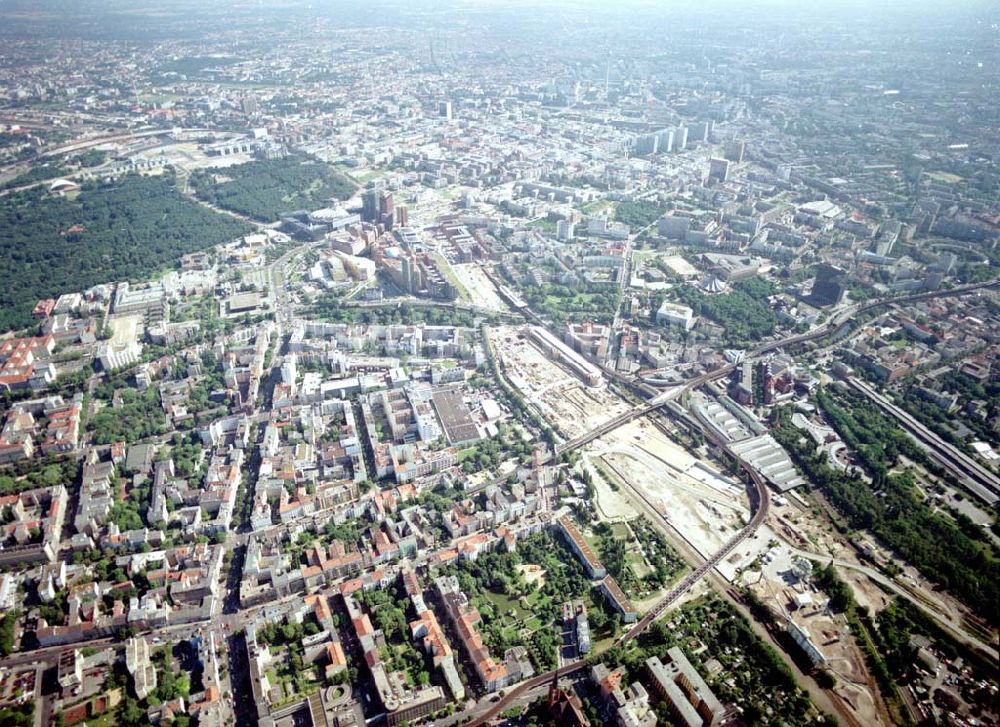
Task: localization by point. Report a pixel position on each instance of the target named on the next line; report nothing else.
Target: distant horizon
(130, 19)
(449, 362)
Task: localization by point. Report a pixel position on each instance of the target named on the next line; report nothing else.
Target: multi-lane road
(976, 478)
(759, 494)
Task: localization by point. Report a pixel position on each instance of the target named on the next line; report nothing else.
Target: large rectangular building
(454, 415)
(674, 314)
(616, 596)
(687, 696)
(588, 559)
(559, 351)
(718, 169)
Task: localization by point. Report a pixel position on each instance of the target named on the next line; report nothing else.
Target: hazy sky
(148, 19)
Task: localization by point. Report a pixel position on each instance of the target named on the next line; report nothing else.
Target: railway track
(978, 480)
(759, 504)
(757, 488)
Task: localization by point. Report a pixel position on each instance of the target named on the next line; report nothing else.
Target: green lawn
(597, 206)
(505, 603)
(105, 720)
(621, 531)
(365, 176)
(533, 624)
(445, 267)
(945, 177)
(593, 541)
(638, 564)
(545, 225)
(159, 98)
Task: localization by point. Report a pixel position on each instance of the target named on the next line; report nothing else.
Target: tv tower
(607, 75)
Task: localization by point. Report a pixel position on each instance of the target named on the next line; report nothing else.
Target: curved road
(817, 333)
(888, 583)
(759, 494)
(759, 503)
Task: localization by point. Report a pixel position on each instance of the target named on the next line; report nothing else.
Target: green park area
(575, 303)
(638, 214)
(637, 556)
(743, 312)
(520, 596)
(267, 189)
(738, 665)
(121, 230)
(289, 672)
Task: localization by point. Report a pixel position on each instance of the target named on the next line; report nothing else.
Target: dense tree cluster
(92, 158)
(330, 308)
(638, 214)
(497, 574)
(890, 507)
(127, 514)
(7, 624)
(18, 715)
(575, 303)
(841, 596)
(388, 609)
(125, 229)
(131, 712)
(665, 562)
(39, 474)
(280, 633)
(488, 453)
(743, 312)
(56, 610)
(265, 190)
(347, 532)
(139, 415)
(169, 685)
(897, 623)
(186, 453)
(614, 557)
(756, 679)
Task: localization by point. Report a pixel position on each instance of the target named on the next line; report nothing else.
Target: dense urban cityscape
(480, 363)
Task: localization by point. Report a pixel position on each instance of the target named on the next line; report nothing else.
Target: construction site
(482, 292)
(569, 405)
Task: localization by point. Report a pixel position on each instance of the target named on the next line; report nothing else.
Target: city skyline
(481, 362)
